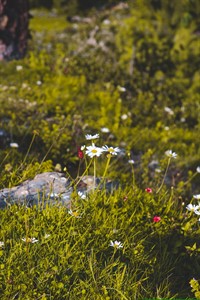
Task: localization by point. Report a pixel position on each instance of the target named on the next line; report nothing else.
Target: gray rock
(45, 188)
(51, 188)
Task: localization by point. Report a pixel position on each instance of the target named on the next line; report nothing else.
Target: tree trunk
(14, 32)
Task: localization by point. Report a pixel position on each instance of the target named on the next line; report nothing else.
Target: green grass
(143, 85)
(45, 22)
(57, 253)
(76, 259)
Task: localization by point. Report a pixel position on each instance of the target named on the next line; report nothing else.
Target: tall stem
(84, 172)
(133, 175)
(168, 163)
(79, 165)
(29, 148)
(107, 165)
(94, 172)
(190, 179)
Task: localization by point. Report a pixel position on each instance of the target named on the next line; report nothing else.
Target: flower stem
(133, 175)
(79, 166)
(84, 172)
(107, 165)
(94, 172)
(190, 179)
(29, 148)
(168, 163)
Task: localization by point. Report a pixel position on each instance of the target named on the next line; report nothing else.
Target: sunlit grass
(132, 241)
(74, 255)
(42, 21)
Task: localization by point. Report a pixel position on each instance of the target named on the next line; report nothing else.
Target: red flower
(148, 190)
(156, 219)
(80, 153)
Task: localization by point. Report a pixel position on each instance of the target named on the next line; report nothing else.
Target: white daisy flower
(171, 154)
(19, 68)
(197, 212)
(121, 88)
(105, 129)
(46, 236)
(124, 116)
(30, 240)
(93, 151)
(111, 150)
(197, 196)
(131, 161)
(198, 169)
(116, 244)
(169, 110)
(193, 208)
(92, 137)
(74, 213)
(14, 145)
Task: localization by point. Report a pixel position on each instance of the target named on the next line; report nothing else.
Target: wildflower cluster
(95, 151)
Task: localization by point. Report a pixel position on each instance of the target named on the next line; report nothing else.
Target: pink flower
(80, 153)
(148, 190)
(156, 219)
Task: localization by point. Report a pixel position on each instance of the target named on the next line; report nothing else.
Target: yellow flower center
(94, 151)
(75, 214)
